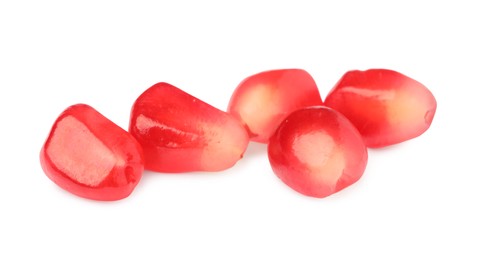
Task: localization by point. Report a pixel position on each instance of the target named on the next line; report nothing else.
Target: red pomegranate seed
(317, 152)
(89, 156)
(385, 106)
(180, 133)
(263, 100)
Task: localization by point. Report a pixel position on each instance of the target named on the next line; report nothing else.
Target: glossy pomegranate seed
(317, 152)
(88, 155)
(387, 107)
(263, 100)
(180, 133)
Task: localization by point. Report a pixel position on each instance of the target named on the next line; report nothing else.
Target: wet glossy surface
(88, 155)
(317, 152)
(180, 133)
(387, 107)
(263, 100)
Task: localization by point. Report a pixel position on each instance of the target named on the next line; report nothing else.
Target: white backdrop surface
(422, 199)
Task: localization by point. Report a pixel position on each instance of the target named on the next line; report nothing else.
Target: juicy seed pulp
(317, 152)
(263, 100)
(180, 133)
(385, 106)
(89, 156)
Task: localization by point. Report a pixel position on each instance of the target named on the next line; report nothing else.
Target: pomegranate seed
(385, 106)
(90, 156)
(317, 152)
(180, 133)
(263, 100)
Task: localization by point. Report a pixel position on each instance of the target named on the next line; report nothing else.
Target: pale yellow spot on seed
(78, 153)
(259, 108)
(322, 156)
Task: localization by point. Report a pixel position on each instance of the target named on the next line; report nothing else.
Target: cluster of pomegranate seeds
(317, 148)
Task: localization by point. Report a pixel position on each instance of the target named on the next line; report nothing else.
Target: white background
(423, 199)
